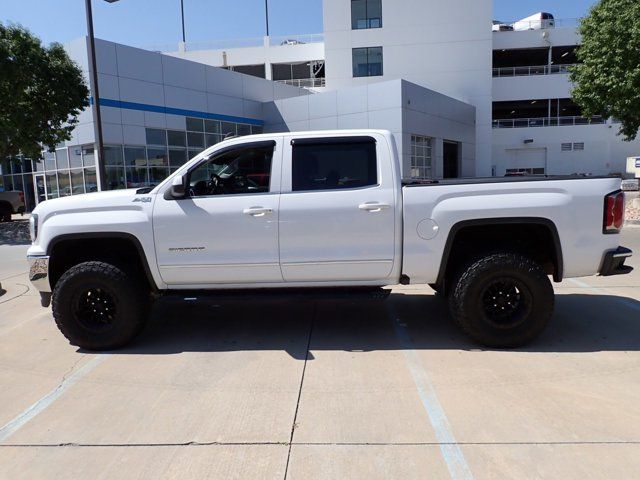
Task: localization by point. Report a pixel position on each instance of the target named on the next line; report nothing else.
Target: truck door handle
(374, 207)
(257, 211)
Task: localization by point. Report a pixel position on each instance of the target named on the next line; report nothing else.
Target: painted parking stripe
(453, 456)
(623, 300)
(18, 422)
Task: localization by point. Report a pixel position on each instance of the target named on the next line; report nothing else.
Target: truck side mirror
(177, 189)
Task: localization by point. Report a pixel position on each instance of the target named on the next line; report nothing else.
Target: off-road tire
(472, 305)
(128, 300)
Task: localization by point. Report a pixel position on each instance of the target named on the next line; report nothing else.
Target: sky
(157, 22)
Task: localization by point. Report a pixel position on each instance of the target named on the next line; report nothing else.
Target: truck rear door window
(333, 164)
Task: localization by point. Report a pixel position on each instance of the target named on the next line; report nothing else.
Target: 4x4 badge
(142, 199)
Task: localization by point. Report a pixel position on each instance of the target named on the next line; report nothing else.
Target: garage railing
(304, 82)
(531, 70)
(547, 122)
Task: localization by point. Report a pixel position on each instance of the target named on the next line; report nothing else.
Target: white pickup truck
(320, 210)
(10, 202)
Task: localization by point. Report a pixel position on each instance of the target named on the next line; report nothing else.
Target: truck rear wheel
(503, 300)
(99, 306)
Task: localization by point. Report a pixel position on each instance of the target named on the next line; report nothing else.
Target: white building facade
(461, 100)
(158, 111)
(525, 120)
(372, 41)
(536, 126)
(442, 46)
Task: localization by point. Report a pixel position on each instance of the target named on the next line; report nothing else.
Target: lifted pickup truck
(320, 210)
(10, 202)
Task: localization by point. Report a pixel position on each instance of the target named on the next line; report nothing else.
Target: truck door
(337, 216)
(226, 231)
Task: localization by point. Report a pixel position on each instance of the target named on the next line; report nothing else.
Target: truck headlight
(33, 227)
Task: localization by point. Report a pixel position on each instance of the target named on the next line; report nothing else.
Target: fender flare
(558, 259)
(102, 235)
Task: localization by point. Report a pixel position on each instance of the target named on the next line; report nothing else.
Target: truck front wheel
(503, 300)
(99, 306)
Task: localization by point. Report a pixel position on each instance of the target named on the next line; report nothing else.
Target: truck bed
(574, 208)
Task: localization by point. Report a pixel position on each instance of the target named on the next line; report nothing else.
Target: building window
(156, 136)
(421, 157)
(176, 138)
(69, 171)
(367, 62)
(572, 147)
(366, 14)
(300, 74)
(62, 158)
(15, 174)
(253, 70)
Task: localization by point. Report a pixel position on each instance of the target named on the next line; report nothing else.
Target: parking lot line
(18, 422)
(453, 456)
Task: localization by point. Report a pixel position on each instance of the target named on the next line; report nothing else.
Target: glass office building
(72, 170)
(157, 113)
(16, 174)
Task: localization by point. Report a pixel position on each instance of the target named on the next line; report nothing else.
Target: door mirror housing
(177, 190)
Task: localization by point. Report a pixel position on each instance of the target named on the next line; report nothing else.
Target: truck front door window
(242, 171)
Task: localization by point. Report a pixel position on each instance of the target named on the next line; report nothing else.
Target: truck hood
(96, 202)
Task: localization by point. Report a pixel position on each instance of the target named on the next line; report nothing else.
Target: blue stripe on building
(145, 107)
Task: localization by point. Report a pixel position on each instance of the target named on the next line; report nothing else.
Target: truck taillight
(21, 194)
(613, 212)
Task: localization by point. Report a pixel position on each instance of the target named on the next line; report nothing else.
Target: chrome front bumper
(39, 273)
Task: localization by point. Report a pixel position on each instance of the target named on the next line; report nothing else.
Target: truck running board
(316, 294)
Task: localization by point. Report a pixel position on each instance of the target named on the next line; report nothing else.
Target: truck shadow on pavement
(582, 323)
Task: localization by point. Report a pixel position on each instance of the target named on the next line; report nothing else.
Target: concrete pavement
(344, 389)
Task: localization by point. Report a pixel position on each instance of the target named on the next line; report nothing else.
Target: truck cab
(255, 213)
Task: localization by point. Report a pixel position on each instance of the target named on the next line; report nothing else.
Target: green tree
(607, 81)
(41, 94)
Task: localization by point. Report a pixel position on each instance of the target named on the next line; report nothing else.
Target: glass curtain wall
(15, 175)
(67, 171)
(72, 170)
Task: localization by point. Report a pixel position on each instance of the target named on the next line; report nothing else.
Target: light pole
(97, 118)
(266, 14)
(184, 38)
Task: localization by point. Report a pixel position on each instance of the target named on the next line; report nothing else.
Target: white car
(10, 203)
(321, 210)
